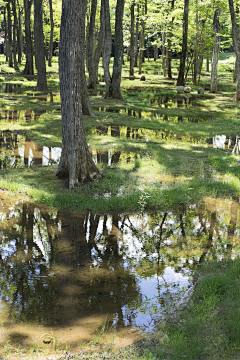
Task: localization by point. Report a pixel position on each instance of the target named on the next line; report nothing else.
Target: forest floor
(158, 150)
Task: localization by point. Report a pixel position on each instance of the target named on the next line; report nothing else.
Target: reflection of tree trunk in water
(210, 237)
(160, 241)
(232, 226)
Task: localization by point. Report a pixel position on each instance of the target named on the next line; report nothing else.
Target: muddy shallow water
(16, 150)
(68, 276)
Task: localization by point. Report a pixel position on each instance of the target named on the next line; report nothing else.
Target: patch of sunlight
(170, 146)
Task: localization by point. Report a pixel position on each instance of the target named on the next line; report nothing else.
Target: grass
(164, 160)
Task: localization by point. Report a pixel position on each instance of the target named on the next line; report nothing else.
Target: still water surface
(69, 274)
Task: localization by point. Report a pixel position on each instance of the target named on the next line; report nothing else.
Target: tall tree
(9, 34)
(113, 83)
(216, 49)
(236, 45)
(90, 48)
(181, 80)
(39, 46)
(51, 35)
(131, 70)
(142, 37)
(76, 163)
(28, 70)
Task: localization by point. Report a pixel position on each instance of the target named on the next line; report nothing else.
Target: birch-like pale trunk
(216, 49)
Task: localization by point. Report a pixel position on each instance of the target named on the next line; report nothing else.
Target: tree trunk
(90, 48)
(155, 46)
(19, 37)
(107, 46)
(235, 72)
(236, 45)
(136, 40)
(143, 23)
(113, 84)
(51, 35)
(15, 30)
(39, 46)
(118, 57)
(100, 43)
(164, 52)
(28, 70)
(76, 163)
(6, 36)
(10, 58)
(216, 29)
(131, 70)
(180, 80)
(196, 45)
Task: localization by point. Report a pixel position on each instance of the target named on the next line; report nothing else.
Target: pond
(17, 151)
(70, 275)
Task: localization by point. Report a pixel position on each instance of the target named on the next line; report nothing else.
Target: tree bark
(51, 35)
(76, 163)
(90, 48)
(131, 70)
(118, 57)
(100, 44)
(107, 45)
(28, 70)
(6, 36)
(10, 57)
(136, 39)
(39, 47)
(236, 45)
(113, 83)
(181, 80)
(196, 46)
(216, 29)
(19, 37)
(142, 36)
(15, 30)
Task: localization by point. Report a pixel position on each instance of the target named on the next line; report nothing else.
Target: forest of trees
(194, 31)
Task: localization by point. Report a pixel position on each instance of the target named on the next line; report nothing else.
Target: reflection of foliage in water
(59, 266)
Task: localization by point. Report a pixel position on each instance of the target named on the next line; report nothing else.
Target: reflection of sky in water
(152, 289)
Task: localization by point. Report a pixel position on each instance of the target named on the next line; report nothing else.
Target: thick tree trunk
(90, 48)
(181, 80)
(39, 46)
(28, 70)
(216, 29)
(51, 35)
(76, 163)
(10, 57)
(236, 44)
(131, 70)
